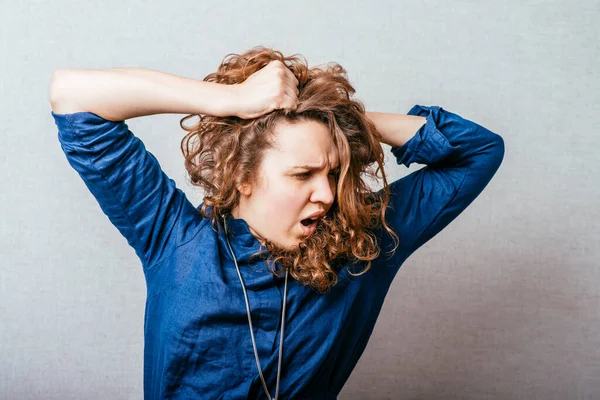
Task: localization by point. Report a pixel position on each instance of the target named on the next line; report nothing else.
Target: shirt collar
(238, 226)
(243, 241)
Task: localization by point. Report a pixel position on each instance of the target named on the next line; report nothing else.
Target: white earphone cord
(250, 321)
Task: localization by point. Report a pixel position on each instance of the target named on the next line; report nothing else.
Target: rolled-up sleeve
(460, 158)
(127, 181)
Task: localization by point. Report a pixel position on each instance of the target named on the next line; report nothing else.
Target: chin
(288, 246)
(292, 243)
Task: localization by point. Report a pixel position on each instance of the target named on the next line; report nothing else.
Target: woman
(281, 152)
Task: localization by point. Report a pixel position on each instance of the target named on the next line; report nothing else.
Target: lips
(309, 223)
(312, 219)
(318, 214)
(310, 227)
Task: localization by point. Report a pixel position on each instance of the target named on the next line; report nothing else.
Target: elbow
(497, 154)
(59, 96)
(56, 88)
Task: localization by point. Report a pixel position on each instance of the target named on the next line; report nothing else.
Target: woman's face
(287, 190)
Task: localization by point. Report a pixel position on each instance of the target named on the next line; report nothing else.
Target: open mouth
(309, 224)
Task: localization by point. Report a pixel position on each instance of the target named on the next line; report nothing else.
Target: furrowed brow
(313, 167)
(309, 167)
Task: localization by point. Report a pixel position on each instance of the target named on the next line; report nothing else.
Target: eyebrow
(312, 167)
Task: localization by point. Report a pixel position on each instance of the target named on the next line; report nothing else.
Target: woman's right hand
(270, 88)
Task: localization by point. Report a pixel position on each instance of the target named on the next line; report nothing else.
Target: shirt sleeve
(127, 181)
(460, 158)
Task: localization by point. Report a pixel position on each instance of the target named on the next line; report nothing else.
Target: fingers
(290, 102)
(292, 91)
(294, 82)
(290, 87)
(289, 78)
(288, 72)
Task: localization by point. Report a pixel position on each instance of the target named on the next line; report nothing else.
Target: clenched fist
(272, 87)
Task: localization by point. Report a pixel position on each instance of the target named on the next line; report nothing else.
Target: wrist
(225, 103)
(396, 129)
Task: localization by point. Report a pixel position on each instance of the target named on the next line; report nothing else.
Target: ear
(245, 189)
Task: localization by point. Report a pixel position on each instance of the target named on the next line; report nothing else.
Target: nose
(324, 191)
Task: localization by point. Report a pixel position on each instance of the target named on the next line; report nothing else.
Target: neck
(238, 212)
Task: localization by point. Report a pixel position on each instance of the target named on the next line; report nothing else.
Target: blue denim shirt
(196, 335)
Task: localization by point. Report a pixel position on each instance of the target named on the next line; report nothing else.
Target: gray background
(502, 304)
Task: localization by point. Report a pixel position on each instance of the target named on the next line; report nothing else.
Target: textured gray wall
(502, 304)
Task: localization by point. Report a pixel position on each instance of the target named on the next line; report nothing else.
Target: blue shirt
(196, 336)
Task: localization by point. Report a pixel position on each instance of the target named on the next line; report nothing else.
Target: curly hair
(221, 153)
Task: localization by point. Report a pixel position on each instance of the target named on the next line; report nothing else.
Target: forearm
(396, 129)
(121, 93)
